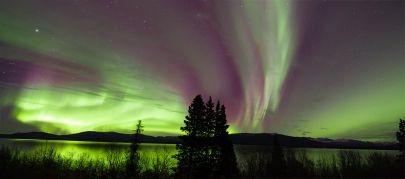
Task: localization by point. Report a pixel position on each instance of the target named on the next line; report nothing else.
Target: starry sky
(303, 68)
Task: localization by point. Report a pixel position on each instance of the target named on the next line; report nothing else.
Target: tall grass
(47, 163)
(345, 164)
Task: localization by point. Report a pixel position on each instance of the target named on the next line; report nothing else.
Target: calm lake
(99, 150)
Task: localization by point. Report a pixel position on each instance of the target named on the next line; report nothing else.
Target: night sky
(303, 68)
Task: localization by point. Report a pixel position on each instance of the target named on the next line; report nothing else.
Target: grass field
(46, 162)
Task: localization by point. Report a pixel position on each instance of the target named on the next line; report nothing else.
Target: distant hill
(92, 136)
(241, 138)
(289, 141)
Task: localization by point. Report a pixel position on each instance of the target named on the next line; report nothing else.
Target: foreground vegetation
(48, 163)
(345, 164)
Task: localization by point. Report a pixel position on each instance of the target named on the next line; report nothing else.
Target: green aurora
(317, 69)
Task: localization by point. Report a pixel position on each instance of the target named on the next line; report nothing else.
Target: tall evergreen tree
(191, 152)
(226, 161)
(401, 139)
(277, 163)
(206, 149)
(210, 116)
(209, 123)
(133, 158)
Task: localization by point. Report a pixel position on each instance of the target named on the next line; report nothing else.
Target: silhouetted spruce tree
(401, 139)
(209, 124)
(192, 157)
(206, 149)
(277, 163)
(225, 159)
(133, 159)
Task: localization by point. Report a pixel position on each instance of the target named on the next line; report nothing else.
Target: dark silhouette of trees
(401, 139)
(226, 159)
(277, 163)
(191, 158)
(133, 159)
(206, 149)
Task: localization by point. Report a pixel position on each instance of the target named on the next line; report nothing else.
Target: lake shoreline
(67, 159)
(241, 139)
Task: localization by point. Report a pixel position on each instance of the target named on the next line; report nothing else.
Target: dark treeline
(345, 164)
(206, 151)
(286, 162)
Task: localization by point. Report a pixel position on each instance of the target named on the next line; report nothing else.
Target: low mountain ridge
(240, 138)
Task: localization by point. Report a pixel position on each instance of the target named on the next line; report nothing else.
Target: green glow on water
(101, 150)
